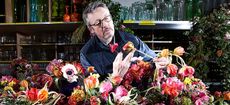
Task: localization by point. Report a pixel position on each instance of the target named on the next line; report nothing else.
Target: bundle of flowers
(142, 84)
(22, 68)
(16, 92)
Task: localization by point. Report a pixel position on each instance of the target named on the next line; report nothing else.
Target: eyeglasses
(99, 21)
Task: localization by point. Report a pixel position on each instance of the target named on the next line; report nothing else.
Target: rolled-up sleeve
(144, 48)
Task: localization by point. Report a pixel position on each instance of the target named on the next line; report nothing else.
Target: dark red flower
(113, 47)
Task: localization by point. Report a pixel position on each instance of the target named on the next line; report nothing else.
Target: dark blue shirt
(95, 53)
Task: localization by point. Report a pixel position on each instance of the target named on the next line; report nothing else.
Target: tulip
(179, 51)
(32, 94)
(165, 53)
(128, 46)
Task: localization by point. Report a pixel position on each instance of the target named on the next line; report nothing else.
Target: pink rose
(106, 87)
(120, 91)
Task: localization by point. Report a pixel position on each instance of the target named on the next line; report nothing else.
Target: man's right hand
(120, 67)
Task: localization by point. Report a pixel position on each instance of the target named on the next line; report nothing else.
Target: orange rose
(179, 51)
(227, 95)
(91, 81)
(164, 53)
(90, 69)
(24, 83)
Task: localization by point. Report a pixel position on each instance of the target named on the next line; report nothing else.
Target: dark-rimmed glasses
(99, 21)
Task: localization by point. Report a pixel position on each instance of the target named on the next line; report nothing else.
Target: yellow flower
(6, 88)
(3, 82)
(187, 81)
(165, 53)
(79, 94)
(12, 83)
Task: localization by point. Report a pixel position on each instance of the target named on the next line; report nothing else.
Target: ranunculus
(105, 87)
(94, 100)
(32, 94)
(24, 83)
(172, 69)
(77, 95)
(128, 46)
(217, 94)
(179, 51)
(165, 53)
(120, 91)
(91, 81)
(227, 95)
(69, 72)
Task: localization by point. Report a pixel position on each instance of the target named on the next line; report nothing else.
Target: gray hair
(90, 8)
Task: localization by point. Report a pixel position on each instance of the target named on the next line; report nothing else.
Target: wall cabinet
(38, 42)
(161, 34)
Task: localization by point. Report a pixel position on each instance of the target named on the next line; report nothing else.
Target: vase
(66, 17)
(74, 15)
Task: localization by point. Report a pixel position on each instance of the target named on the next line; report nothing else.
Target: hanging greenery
(209, 46)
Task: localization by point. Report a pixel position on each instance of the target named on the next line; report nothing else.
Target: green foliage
(208, 44)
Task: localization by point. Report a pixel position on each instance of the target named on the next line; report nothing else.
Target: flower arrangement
(142, 84)
(175, 84)
(22, 68)
(14, 91)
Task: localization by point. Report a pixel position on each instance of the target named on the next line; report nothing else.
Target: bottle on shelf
(75, 16)
(66, 17)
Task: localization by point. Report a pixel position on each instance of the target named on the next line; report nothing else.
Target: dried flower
(164, 53)
(179, 51)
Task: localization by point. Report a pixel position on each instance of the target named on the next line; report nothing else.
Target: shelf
(3, 62)
(166, 25)
(7, 45)
(51, 44)
(33, 27)
(158, 41)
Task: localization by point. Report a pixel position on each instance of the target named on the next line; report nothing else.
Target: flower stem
(144, 54)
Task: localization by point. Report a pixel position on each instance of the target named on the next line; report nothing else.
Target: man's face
(101, 24)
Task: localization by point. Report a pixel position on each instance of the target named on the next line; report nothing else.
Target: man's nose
(104, 24)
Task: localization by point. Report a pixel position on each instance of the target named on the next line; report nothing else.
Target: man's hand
(161, 62)
(120, 67)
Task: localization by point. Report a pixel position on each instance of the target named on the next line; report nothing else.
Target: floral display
(143, 84)
(22, 68)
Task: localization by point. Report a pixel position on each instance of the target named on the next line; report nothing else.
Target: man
(97, 52)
